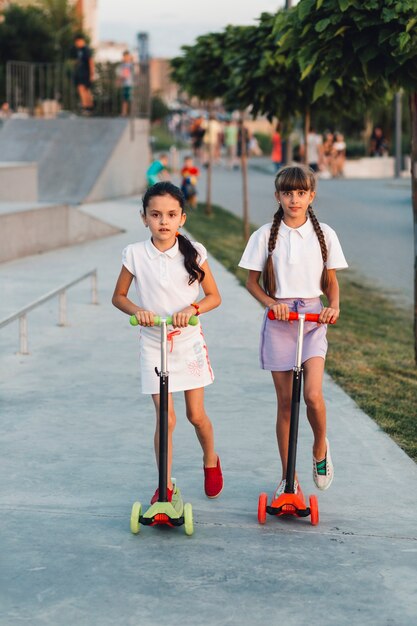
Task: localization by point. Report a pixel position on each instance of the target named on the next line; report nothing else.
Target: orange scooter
(291, 503)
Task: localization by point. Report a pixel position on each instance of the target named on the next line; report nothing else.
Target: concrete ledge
(370, 167)
(27, 231)
(19, 181)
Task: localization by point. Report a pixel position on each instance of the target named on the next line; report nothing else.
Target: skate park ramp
(80, 160)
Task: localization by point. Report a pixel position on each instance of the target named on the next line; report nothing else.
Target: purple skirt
(278, 343)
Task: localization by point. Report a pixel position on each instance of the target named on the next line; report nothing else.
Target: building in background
(87, 11)
(161, 83)
(112, 51)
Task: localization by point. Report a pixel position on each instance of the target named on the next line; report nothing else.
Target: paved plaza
(77, 451)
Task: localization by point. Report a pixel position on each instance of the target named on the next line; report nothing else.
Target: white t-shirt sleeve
(256, 251)
(127, 259)
(335, 257)
(202, 252)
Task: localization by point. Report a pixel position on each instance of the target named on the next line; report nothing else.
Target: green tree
(159, 109)
(63, 21)
(25, 35)
(372, 42)
(201, 71)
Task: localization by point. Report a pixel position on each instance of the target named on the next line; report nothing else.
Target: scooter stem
(163, 415)
(295, 408)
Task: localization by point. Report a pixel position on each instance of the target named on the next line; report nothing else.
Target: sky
(174, 23)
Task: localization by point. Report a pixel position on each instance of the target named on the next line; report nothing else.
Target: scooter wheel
(134, 518)
(314, 510)
(262, 502)
(188, 519)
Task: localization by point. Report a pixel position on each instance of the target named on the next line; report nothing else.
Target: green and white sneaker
(281, 488)
(323, 471)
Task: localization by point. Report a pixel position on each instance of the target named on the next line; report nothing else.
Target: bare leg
(283, 389)
(196, 414)
(83, 93)
(171, 426)
(316, 409)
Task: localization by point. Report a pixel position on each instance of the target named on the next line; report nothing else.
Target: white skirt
(188, 360)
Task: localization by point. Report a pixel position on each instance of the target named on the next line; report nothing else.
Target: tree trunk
(208, 209)
(413, 110)
(307, 123)
(210, 148)
(244, 167)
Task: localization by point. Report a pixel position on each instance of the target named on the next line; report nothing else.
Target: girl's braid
(323, 247)
(268, 274)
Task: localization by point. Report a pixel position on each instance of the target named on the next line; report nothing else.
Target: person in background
(126, 79)
(197, 131)
(189, 174)
(276, 155)
(230, 141)
(339, 155)
(379, 145)
(212, 140)
(83, 73)
(328, 153)
(243, 138)
(314, 150)
(157, 171)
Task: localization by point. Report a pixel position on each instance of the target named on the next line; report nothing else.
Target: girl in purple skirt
(297, 257)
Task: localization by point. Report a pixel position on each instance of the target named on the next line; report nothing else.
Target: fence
(48, 89)
(61, 292)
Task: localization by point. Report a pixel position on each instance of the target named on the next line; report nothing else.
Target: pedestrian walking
(84, 73)
(126, 70)
(276, 155)
(168, 270)
(230, 142)
(314, 146)
(339, 155)
(190, 174)
(297, 257)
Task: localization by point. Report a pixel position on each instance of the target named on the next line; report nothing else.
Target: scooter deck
(169, 513)
(289, 504)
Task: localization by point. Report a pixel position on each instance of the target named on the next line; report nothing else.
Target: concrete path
(77, 451)
(373, 219)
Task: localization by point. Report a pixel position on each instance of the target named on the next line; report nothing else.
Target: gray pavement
(372, 217)
(77, 451)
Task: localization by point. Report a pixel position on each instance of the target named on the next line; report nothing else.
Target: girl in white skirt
(297, 258)
(168, 271)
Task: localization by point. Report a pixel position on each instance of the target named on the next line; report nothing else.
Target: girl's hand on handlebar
(329, 316)
(281, 311)
(145, 318)
(181, 319)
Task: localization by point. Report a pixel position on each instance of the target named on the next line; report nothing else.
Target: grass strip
(371, 348)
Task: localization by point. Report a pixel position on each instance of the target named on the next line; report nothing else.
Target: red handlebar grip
(309, 317)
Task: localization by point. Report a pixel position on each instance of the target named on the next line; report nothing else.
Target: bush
(265, 142)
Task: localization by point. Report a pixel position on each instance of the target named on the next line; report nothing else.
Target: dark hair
(289, 179)
(190, 254)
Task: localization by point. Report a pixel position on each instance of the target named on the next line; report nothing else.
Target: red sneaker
(213, 480)
(155, 496)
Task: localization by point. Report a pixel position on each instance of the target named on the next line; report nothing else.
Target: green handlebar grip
(193, 321)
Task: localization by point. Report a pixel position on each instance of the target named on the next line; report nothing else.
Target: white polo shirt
(297, 258)
(161, 279)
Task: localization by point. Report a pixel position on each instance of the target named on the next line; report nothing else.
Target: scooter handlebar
(193, 321)
(309, 317)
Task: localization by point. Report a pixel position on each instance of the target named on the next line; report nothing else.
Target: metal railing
(48, 90)
(61, 292)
